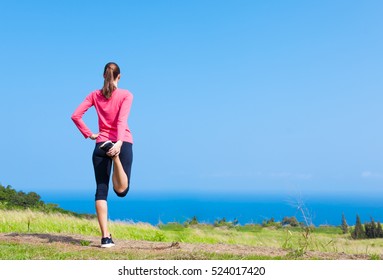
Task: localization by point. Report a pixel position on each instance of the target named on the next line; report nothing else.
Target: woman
(113, 142)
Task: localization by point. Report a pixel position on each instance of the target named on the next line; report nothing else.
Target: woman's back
(112, 114)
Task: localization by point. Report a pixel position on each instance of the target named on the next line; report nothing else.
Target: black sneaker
(106, 146)
(107, 242)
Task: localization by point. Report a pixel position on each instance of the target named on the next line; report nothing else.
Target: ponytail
(111, 72)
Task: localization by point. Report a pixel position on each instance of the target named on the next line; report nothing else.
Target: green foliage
(271, 223)
(373, 230)
(305, 240)
(292, 221)
(287, 242)
(379, 230)
(158, 236)
(358, 232)
(223, 223)
(11, 199)
(375, 257)
(191, 222)
(344, 225)
(85, 242)
(172, 227)
(370, 230)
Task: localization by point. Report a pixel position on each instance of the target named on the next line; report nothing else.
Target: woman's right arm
(77, 117)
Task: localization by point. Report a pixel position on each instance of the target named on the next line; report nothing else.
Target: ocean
(164, 209)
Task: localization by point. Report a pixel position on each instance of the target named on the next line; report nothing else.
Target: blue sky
(230, 97)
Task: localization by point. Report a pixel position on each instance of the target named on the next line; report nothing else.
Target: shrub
(191, 222)
(223, 223)
(292, 221)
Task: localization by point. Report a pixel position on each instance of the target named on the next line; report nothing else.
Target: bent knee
(122, 193)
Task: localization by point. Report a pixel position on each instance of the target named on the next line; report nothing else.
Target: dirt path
(163, 250)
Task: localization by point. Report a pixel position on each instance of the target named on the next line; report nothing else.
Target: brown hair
(111, 72)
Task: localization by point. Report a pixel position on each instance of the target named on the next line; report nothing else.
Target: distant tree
(368, 230)
(194, 221)
(371, 229)
(10, 196)
(221, 222)
(344, 225)
(7, 194)
(374, 229)
(19, 199)
(358, 232)
(269, 222)
(292, 221)
(33, 199)
(379, 231)
(191, 222)
(224, 223)
(11, 199)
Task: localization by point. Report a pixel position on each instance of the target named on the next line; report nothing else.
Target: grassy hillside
(10, 199)
(26, 223)
(296, 241)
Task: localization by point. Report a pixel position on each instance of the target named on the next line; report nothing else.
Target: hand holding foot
(115, 150)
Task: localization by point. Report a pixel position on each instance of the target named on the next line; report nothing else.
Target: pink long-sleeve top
(112, 114)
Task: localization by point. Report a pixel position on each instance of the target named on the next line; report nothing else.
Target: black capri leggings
(102, 164)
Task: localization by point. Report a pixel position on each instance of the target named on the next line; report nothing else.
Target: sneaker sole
(107, 245)
(102, 147)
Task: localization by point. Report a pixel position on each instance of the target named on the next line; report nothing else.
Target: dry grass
(321, 241)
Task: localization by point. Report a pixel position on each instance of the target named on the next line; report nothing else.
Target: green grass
(15, 251)
(322, 239)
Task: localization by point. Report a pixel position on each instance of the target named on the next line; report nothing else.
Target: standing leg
(102, 167)
(102, 216)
